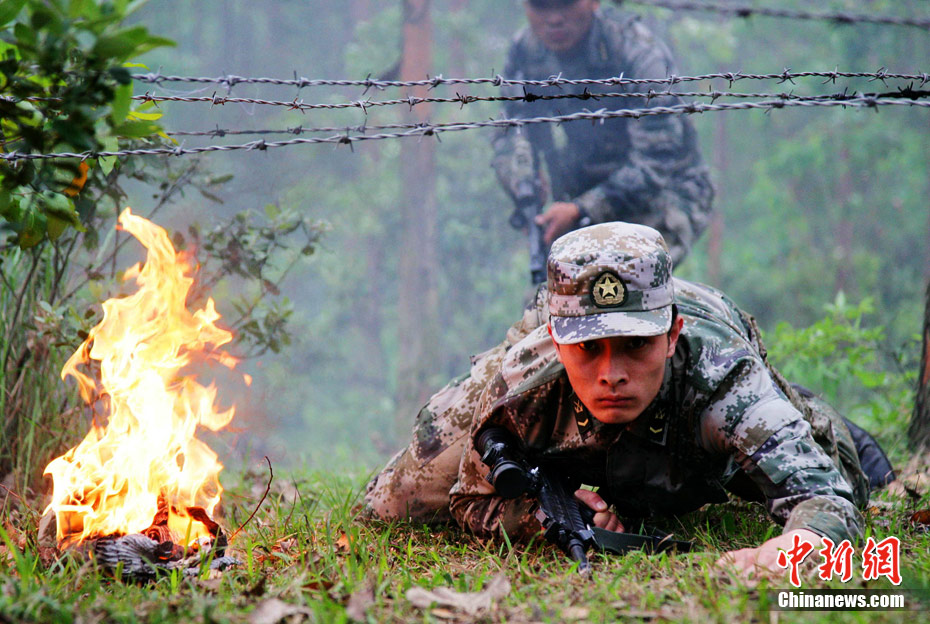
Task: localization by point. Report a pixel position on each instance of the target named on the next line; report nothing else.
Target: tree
(418, 297)
(65, 88)
(919, 430)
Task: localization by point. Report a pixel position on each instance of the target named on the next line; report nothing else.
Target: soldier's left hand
(559, 219)
(762, 561)
(603, 517)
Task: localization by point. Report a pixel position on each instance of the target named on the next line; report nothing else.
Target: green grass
(310, 555)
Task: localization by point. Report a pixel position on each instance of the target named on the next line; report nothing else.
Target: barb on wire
(902, 93)
(555, 81)
(436, 129)
(462, 100)
(527, 96)
(748, 11)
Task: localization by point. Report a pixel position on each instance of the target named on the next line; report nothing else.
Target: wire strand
(437, 129)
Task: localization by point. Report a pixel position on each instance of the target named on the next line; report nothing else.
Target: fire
(110, 484)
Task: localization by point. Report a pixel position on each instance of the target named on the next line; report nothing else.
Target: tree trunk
(418, 316)
(721, 162)
(918, 433)
(844, 228)
(457, 47)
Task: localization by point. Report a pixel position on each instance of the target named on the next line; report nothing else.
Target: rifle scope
(508, 475)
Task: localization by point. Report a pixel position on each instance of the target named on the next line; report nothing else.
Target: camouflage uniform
(644, 171)
(723, 420)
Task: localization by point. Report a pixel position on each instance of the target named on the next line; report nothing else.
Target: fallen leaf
(575, 613)
(257, 590)
(285, 545)
(47, 555)
(210, 586)
(48, 530)
(921, 517)
(342, 544)
(443, 614)
(273, 610)
(319, 585)
(359, 602)
(471, 603)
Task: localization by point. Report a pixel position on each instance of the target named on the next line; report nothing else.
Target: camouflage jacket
(645, 171)
(721, 413)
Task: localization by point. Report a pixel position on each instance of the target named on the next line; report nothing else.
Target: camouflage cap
(610, 279)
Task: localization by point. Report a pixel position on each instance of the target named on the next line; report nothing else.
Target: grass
(306, 557)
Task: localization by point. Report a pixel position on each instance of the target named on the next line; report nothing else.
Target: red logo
(795, 557)
(836, 560)
(882, 559)
(878, 559)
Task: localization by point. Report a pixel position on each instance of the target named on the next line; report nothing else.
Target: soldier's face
(617, 378)
(560, 26)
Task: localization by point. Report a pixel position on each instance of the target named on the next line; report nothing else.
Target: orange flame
(111, 482)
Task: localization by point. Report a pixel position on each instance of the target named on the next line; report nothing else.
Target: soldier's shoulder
(623, 27)
(696, 299)
(715, 336)
(531, 363)
(525, 47)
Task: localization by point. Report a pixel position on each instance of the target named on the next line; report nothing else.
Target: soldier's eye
(588, 346)
(638, 342)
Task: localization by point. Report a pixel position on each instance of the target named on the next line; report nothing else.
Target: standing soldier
(645, 170)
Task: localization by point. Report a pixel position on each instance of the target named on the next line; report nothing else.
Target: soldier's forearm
(828, 516)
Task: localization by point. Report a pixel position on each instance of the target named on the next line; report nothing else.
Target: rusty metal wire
(841, 17)
(434, 130)
(785, 75)
(462, 100)
(904, 93)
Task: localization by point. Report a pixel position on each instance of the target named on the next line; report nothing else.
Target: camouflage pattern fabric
(647, 170)
(611, 279)
(415, 483)
(722, 420)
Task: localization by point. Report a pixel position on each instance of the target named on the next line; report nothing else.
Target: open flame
(145, 452)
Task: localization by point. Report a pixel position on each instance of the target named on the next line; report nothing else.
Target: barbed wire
(434, 130)
(841, 17)
(786, 75)
(905, 93)
(528, 97)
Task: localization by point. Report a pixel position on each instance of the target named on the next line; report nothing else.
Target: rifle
(566, 521)
(523, 186)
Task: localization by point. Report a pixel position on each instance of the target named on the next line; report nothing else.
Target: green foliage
(64, 87)
(261, 250)
(813, 202)
(843, 357)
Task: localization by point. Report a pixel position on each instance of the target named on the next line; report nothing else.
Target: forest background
(821, 214)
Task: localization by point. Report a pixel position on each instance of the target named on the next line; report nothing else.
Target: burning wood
(140, 487)
(143, 555)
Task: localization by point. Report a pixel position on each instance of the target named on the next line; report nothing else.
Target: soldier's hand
(559, 219)
(603, 518)
(762, 561)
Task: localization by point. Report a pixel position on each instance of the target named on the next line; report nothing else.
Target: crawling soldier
(654, 390)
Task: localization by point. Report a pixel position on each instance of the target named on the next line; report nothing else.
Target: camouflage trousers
(415, 483)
